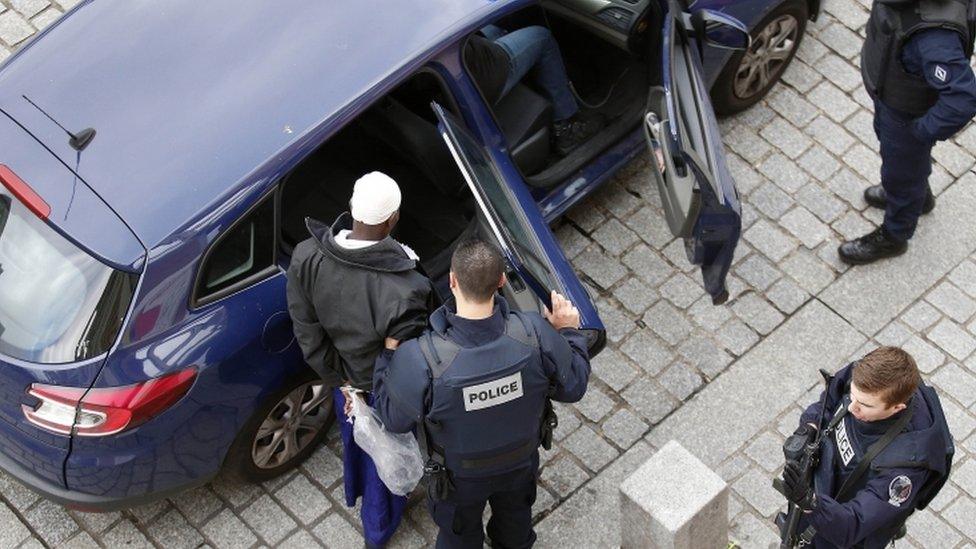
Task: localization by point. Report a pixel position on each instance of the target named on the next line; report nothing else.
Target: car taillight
(105, 411)
(24, 193)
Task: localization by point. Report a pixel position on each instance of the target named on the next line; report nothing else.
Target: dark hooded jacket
(344, 303)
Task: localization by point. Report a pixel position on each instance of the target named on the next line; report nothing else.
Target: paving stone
(746, 178)
(16, 494)
(928, 529)
(757, 272)
(198, 504)
(805, 227)
(927, 357)
(46, 18)
(617, 323)
(770, 240)
(953, 158)
(839, 72)
(784, 173)
(235, 491)
(592, 451)
(14, 28)
(571, 240)
(96, 523)
(842, 40)
(336, 532)
(737, 337)
(961, 423)
(614, 237)
(789, 422)
(594, 405)
(749, 145)
(957, 382)
(733, 468)
(173, 531)
(602, 269)
(300, 540)
(862, 126)
(960, 515)
(893, 335)
(635, 295)
(12, 530)
(952, 339)
(818, 163)
(568, 421)
(649, 400)
(820, 202)
(29, 8)
(801, 76)
(51, 522)
(920, 316)
(951, 301)
(268, 519)
(613, 369)
(851, 226)
(767, 451)
(667, 322)
(586, 216)
(624, 428)
(757, 313)
(811, 50)
(648, 265)
(771, 200)
(829, 134)
(964, 276)
(702, 353)
(125, 534)
(647, 351)
(681, 291)
(786, 137)
(564, 476)
(864, 161)
(708, 316)
(681, 380)
(616, 200)
(323, 467)
(787, 295)
(946, 495)
(676, 254)
(756, 490)
(792, 107)
(849, 186)
(751, 532)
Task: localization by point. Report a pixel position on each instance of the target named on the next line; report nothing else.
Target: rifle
(801, 449)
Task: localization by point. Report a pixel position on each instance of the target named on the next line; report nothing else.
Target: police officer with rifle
(884, 451)
(477, 387)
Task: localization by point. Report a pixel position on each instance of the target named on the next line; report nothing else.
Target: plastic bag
(396, 455)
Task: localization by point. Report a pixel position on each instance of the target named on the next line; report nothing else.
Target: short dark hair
(477, 266)
(889, 372)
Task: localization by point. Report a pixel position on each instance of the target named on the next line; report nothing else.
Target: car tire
(273, 441)
(736, 89)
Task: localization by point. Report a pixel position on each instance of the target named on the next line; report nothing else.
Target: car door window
(243, 254)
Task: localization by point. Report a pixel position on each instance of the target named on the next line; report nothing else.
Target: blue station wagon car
(158, 161)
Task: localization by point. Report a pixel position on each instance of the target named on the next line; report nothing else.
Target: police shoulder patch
(941, 74)
(899, 490)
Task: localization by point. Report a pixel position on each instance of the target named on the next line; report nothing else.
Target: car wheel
(750, 74)
(284, 431)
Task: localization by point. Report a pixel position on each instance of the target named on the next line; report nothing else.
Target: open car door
(534, 270)
(688, 164)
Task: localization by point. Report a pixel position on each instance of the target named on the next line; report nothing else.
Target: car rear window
(57, 303)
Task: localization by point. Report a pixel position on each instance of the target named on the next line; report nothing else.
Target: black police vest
(891, 25)
(487, 402)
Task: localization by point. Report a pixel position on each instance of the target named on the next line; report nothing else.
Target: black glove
(797, 485)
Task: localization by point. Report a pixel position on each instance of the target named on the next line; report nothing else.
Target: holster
(549, 423)
(439, 483)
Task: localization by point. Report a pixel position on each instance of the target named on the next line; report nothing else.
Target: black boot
(574, 131)
(875, 196)
(870, 248)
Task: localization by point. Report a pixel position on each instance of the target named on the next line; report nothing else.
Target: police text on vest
(492, 393)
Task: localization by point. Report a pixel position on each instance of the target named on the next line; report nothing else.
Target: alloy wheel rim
(767, 56)
(291, 425)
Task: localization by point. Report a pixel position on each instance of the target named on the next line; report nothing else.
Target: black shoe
(870, 248)
(875, 196)
(574, 131)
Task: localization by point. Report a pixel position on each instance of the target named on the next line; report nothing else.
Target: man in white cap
(352, 292)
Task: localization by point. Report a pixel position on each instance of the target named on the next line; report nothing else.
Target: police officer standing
(915, 65)
(886, 450)
(477, 386)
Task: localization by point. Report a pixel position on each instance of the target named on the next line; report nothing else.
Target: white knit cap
(375, 197)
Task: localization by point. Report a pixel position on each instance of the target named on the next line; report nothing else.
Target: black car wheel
(284, 431)
(750, 74)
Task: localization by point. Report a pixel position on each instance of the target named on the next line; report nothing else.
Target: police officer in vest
(477, 387)
(915, 65)
(886, 451)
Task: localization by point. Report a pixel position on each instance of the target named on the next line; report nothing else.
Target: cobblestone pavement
(727, 382)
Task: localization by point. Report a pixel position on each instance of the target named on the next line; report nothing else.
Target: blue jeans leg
(906, 164)
(533, 49)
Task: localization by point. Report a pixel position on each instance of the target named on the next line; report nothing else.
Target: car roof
(188, 98)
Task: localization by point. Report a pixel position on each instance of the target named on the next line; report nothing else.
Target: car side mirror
(716, 29)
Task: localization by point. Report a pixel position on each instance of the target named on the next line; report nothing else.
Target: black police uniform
(915, 65)
(904, 476)
(478, 391)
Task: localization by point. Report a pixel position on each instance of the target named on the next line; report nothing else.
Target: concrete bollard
(674, 501)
